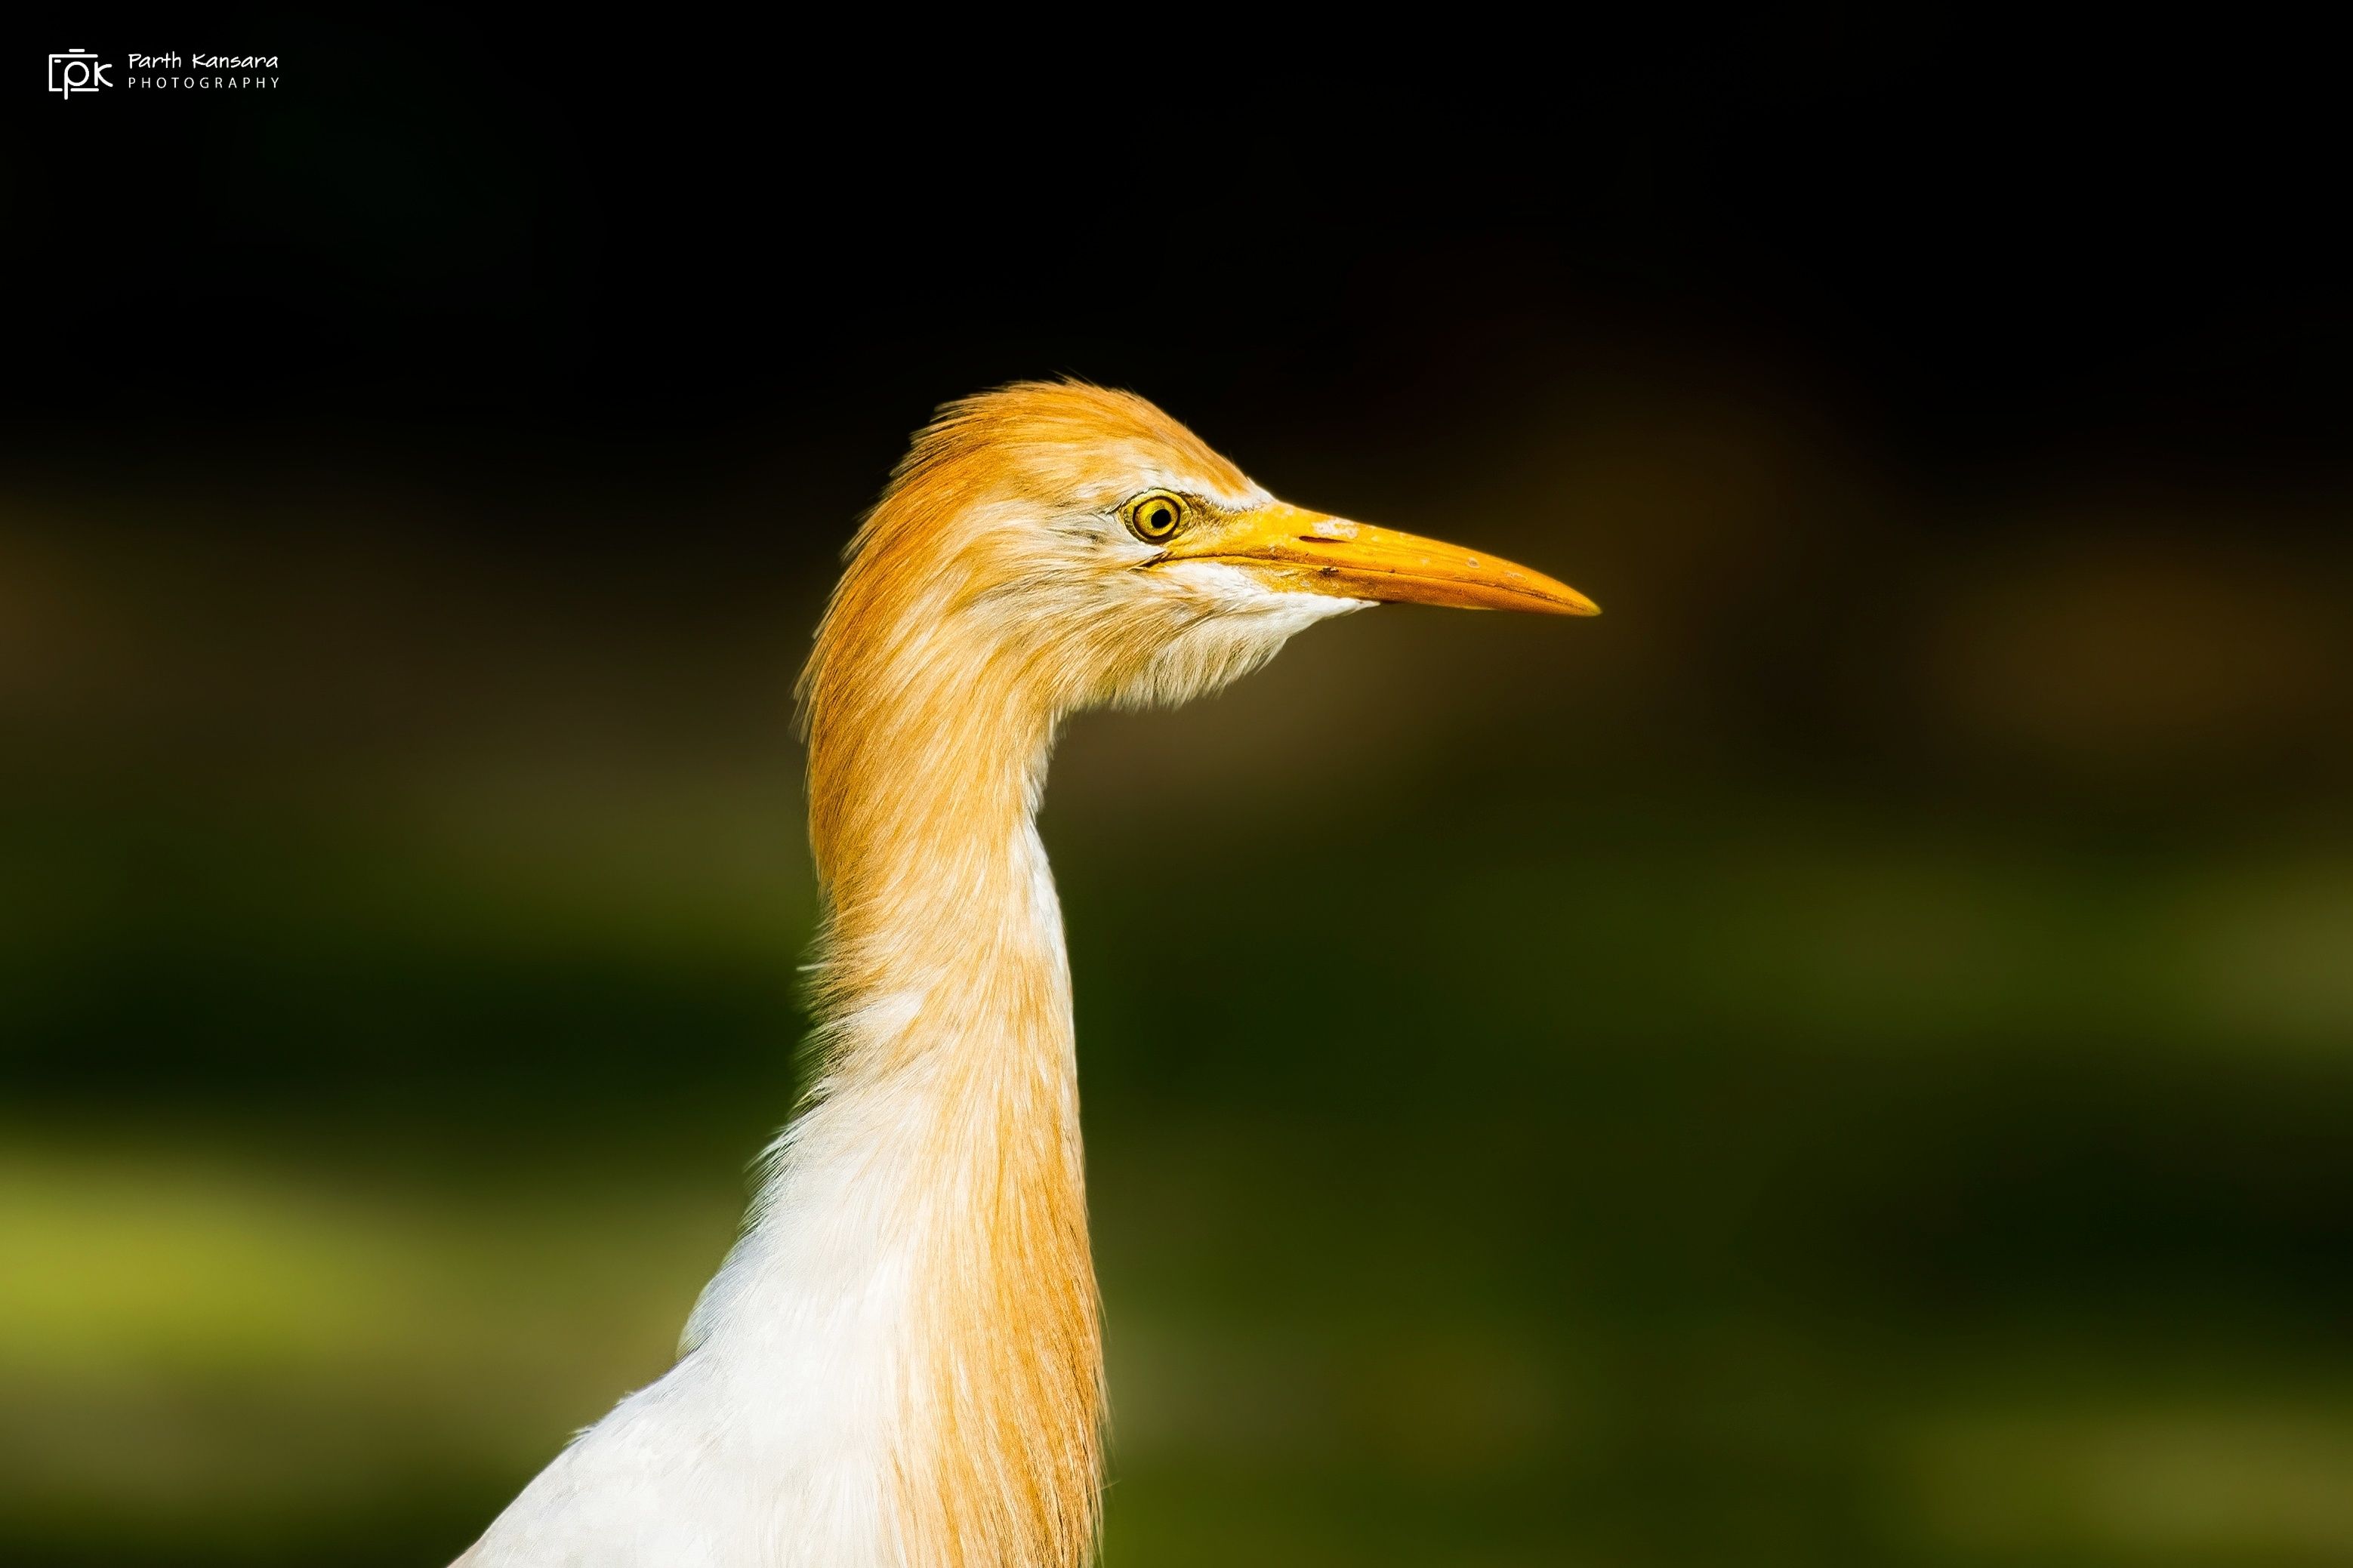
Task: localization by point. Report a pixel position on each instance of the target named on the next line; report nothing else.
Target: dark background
(1846, 1059)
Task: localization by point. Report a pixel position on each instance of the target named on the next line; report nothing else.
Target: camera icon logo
(76, 70)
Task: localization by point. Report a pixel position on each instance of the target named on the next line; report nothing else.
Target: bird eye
(1155, 514)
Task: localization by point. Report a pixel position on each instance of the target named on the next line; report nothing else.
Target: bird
(899, 1364)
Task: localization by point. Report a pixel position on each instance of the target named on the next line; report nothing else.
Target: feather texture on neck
(941, 1156)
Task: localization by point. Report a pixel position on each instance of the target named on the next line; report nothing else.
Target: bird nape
(900, 1362)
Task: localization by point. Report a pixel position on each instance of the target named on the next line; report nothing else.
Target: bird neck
(937, 1180)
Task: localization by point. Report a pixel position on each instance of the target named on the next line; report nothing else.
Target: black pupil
(1155, 517)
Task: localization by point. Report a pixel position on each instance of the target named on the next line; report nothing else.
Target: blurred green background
(1846, 1059)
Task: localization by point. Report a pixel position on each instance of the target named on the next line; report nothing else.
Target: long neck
(934, 1192)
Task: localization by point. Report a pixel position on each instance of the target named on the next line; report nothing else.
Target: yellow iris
(1155, 514)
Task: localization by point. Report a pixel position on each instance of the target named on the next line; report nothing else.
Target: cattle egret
(899, 1365)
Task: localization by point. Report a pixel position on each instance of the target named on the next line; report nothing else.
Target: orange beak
(1306, 552)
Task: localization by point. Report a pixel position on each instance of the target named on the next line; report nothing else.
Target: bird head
(1059, 545)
